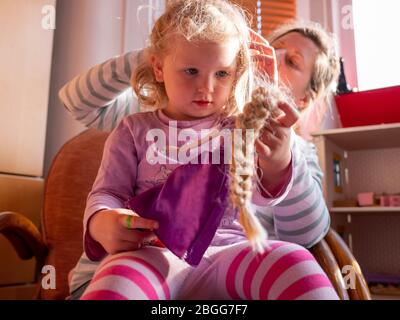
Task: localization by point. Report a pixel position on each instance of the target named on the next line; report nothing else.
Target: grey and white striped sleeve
(102, 96)
(302, 217)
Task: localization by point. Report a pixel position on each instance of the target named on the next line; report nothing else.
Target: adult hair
(326, 66)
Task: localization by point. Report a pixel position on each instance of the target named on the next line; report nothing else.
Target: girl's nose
(206, 84)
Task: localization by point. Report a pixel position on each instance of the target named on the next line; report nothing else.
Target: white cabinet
(25, 64)
(364, 159)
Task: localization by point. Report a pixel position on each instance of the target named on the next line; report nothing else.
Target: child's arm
(303, 217)
(102, 96)
(106, 229)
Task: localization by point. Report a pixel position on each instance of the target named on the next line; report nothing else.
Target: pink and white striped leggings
(285, 271)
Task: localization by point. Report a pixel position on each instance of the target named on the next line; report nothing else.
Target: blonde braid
(263, 106)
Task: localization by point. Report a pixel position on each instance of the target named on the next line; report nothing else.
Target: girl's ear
(157, 68)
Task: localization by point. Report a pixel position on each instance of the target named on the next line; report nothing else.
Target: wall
(303, 9)
(88, 32)
(343, 27)
(25, 67)
(336, 17)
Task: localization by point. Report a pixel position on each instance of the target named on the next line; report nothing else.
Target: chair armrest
(345, 257)
(327, 261)
(23, 235)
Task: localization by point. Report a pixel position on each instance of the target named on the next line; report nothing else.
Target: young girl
(199, 62)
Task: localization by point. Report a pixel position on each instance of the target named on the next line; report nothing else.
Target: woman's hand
(116, 230)
(263, 56)
(273, 148)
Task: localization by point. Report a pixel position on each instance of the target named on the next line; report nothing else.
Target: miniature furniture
(361, 172)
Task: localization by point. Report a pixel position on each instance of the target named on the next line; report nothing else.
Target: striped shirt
(102, 96)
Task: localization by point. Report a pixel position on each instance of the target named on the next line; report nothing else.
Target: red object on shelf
(385, 201)
(369, 107)
(394, 201)
(365, 199)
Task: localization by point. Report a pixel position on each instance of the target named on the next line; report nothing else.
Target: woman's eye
(191, 71)
(222, 74)
(292, 63)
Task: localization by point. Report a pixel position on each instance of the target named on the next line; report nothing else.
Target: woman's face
(296, 55)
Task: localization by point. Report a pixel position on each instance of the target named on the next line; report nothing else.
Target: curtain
(267, 15)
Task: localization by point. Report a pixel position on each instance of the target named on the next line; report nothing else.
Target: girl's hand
(263, 56)
(116, 230)
(273, 148)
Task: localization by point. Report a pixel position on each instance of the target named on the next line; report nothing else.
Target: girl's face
(296, 55)
(198, 77)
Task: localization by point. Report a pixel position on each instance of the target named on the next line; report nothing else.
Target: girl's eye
(222, 74)
(191, 71)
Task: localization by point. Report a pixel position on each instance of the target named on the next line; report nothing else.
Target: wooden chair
(60, 242)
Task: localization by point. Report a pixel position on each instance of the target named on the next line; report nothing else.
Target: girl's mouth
(202, 103)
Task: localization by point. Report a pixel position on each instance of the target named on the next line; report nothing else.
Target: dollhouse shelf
(364, 209)
(367, 160)
(366, 137)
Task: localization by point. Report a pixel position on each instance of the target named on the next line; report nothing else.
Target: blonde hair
(196, 20)
(263, 106)
(327, 66)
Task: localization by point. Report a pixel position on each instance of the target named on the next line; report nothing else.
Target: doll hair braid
(263, 106)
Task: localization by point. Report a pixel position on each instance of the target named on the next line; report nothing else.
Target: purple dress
(188, 206)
